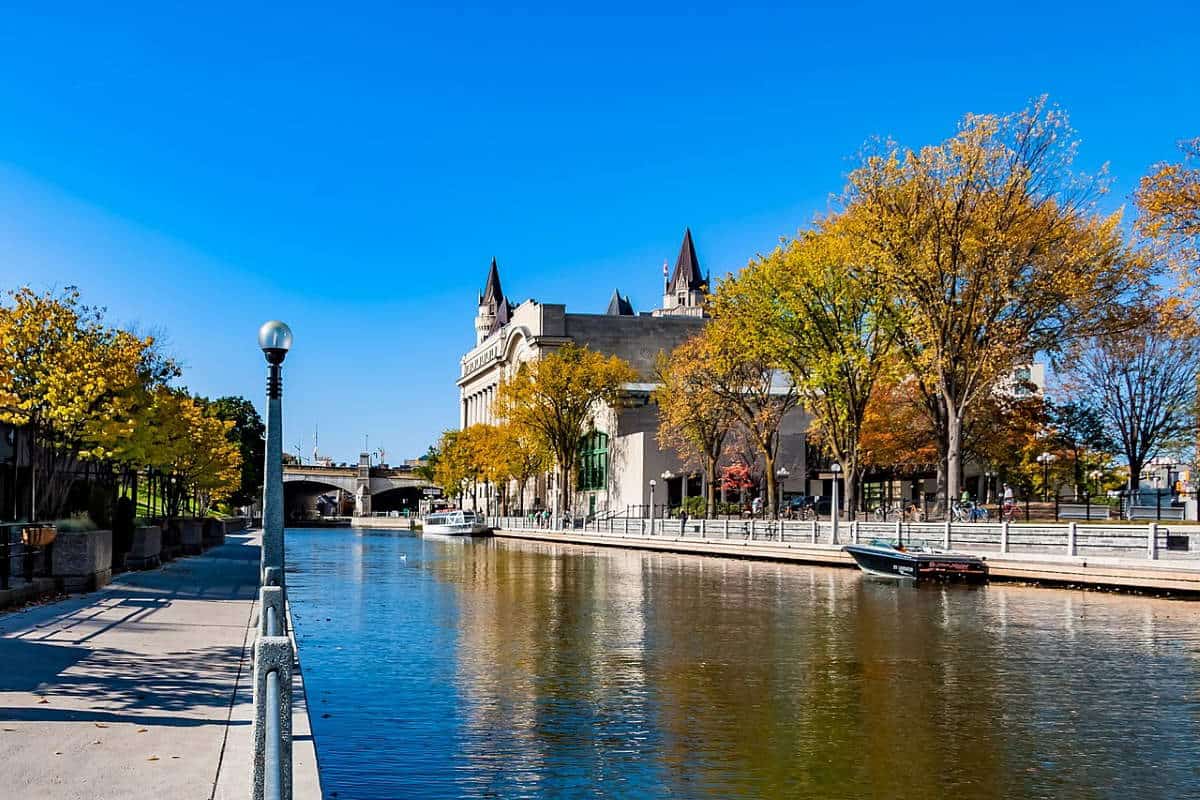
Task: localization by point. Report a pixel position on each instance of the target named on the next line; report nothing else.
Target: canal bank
(1165, 576)
(141, 690)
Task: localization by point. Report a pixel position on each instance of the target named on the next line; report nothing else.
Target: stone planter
(191, 536)
(146, 550)
(172, 545)
(82, 560)
(214, 533)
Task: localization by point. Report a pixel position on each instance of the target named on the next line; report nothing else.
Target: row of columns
(477, 407)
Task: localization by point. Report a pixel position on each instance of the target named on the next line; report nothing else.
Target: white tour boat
(455, 523)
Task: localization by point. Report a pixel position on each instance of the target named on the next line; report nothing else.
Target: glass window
(593, 462)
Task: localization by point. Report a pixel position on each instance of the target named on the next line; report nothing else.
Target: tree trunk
(772, 508)
(953, 453)
(710, 469)
(1135, 478)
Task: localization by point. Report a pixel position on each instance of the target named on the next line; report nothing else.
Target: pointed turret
(685, 291)
(491, 290)
(494, 309)
(687, 276)
(619, 306)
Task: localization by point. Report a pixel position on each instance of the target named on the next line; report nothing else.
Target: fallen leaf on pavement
(101, 725)
(152, 758)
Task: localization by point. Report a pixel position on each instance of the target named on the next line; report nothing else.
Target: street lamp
(652, 484)
(666, 476)
(1044, 459)
(275, 339)
(834, 509)
(782, 474)
(987, 494)
(1095, 476)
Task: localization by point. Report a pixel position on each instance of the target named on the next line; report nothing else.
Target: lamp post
(652, 506)
(275, 339)
(1044, 459)
(834, 508)
(782, 474)
(987, 493)
(1095, 476)
(666, 476)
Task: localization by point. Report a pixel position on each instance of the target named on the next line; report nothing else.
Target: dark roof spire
(687, 268)
(492, 291)
(619, 306)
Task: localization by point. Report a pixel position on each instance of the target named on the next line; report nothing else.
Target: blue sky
(352, 169)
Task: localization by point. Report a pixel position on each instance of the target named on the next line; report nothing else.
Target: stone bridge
(361, 489)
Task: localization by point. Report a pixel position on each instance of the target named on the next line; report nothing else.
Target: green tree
(249, 434)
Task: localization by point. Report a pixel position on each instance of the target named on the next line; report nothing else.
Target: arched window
(593, 462)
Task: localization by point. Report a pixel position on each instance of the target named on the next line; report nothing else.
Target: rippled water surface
(441, 668)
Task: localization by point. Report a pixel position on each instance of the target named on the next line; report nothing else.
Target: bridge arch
(399, 498)
(309, 498)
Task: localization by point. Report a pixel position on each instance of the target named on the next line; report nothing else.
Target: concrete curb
(1103, 573)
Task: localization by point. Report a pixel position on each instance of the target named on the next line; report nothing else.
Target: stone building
(621, 455)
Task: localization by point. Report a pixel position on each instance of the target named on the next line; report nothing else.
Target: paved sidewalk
(141, 690)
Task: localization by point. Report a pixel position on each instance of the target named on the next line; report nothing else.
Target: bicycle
(886, 512)
(1008, 511)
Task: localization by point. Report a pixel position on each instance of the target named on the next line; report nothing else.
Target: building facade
(621, 455)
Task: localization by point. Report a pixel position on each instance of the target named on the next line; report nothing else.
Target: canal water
(443, 668)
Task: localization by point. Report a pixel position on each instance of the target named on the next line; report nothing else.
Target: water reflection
(490, 668)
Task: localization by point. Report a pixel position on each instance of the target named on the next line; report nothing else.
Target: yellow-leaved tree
(1168, 201)
(820, 315)
(744, 378)
(693, 419)
(995, 251)
(554, 401)
(75, 382)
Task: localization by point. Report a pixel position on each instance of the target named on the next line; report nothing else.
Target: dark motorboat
(917, 563)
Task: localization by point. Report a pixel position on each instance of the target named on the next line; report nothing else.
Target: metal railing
(273, 659)
(13, 547)
(1150, 541)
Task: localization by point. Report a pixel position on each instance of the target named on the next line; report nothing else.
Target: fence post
(813, 522)
(1056, 506)
(946, 535)
(752, 529)
(854, 531)
(726, 527)
(899, 532)
(1152, 543)
(273, 655)
(1070, 538)
(1004, 536)
(1087, 506)
(703, 528)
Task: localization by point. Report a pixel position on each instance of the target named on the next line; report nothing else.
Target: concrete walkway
(141, 690)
